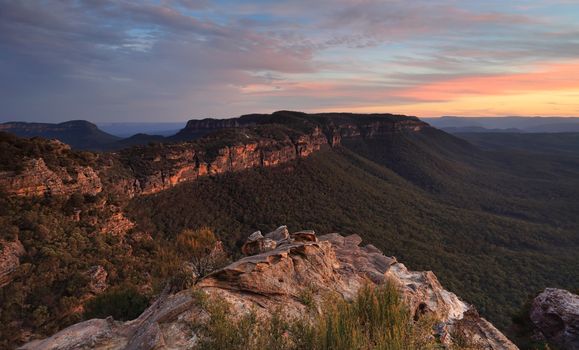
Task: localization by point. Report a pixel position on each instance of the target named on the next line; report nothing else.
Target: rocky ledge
(281, 267)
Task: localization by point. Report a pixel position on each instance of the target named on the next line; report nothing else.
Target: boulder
(258, 246)
(555, 314)
(304, 236)
(279, 234)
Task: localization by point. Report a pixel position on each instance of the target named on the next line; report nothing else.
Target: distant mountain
(555, 143)
(133, 128)
(477, 129)
(496, 124)
(138, 139)
(79, 134)
(555, 127)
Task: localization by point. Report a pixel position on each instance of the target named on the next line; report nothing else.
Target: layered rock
(278, 276)
(37, 179)
(171, 164)
(10, 253)
(232, 145)
(555, 314)
(335, 126)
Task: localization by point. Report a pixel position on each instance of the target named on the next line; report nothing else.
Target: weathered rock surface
(171, 164)
(10, 253)
(277, 277)
(555, 314)
(38, 180)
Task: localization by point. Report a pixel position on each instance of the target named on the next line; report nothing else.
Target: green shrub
(122, 303)
(376, 319)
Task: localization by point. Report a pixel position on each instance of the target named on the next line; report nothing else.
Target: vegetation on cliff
(376, 319)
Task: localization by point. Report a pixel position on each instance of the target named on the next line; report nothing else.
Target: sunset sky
(172, 60)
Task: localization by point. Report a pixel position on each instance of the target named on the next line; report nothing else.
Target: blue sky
(174, 60)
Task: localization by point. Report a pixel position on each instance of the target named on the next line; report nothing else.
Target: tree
(202, 250)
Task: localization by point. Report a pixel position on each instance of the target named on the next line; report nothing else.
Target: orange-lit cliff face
(170, 165)
(234, 145)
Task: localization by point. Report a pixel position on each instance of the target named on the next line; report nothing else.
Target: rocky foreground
(279, 268)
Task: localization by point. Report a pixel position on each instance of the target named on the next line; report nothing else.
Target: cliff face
(233, 145)
(165, 166)
(276, 277)
(36, 179)
(254, 144)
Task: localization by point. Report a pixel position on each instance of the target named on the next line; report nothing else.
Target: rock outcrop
(10, 253)
(97, 279)
(164, 166)
(555, 314)
(278, 276)
(37, 179)
(228, 145)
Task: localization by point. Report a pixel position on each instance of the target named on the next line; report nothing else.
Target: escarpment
(159, 167)
(251, 141)
(213, 147)
(274, 279)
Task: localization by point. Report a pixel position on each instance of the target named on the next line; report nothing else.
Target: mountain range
(84, 135)
(495, 226)
(456, 124)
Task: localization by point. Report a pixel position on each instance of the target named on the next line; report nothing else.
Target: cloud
(176, 59)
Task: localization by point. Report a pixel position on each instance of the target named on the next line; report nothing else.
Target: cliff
(228, 145)
(273, 280)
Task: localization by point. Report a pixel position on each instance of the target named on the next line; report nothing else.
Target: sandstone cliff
(252, 141)
(276, 276)
(227, 145)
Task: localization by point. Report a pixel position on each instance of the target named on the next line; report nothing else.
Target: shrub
(202, 249)
(376, 319)
(122, 303)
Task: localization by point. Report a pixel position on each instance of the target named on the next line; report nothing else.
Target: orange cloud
(546, 77)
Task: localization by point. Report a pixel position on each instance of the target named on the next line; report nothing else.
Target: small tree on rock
(202, 250)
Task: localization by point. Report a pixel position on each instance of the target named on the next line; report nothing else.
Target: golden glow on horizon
(543, 103)
(547, 90)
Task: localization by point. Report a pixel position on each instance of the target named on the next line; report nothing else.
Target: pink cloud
(548, 76)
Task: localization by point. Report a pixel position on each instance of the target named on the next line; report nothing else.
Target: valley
(495, 227)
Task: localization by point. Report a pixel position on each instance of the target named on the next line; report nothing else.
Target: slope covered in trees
(492, 228)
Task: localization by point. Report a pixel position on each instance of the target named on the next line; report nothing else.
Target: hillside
(494, 227)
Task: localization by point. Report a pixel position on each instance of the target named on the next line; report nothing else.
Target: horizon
(137, 122)
(166, 61)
